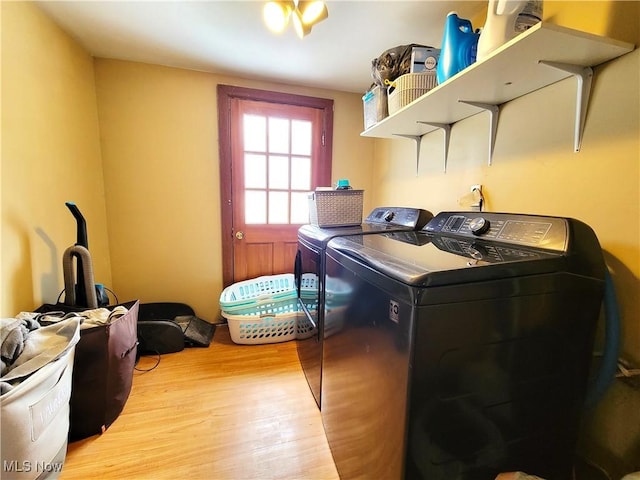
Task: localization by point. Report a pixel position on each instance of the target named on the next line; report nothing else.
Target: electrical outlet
(476, 192)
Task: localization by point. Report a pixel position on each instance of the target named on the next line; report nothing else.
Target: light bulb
(276, 16)
(301, 29)
(313, 12)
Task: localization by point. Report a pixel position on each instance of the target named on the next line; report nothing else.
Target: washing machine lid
(465, 247)
(421, 259)
(381, 219)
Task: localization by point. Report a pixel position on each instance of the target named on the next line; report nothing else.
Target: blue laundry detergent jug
(459, 47)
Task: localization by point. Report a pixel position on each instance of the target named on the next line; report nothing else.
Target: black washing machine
(463, 349)
(309, 272)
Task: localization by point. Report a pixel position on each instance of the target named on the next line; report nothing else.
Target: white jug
(500, 25)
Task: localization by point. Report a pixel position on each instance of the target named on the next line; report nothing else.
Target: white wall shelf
(541, 56)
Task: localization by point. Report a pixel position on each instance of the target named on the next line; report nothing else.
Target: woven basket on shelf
(409, 87)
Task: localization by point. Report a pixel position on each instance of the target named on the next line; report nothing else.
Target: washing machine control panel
(479, 225)
(414, 218)
(550, 233)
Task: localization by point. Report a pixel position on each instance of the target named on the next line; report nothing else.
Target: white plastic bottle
(500, 26)
(506, 19)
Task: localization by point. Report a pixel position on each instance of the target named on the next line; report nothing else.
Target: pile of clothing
(13, 335)
(31, 340)
(27, 346)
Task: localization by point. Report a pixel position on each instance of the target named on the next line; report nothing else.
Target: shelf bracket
(494, 111)
(418, 140)
(446, 128)
(583, 75)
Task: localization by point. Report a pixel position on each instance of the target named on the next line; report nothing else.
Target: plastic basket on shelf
(267, 321)
(375, 106)
(335, 208)
(249, 292)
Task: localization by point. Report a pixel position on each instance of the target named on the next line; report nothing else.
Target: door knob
(239, 235)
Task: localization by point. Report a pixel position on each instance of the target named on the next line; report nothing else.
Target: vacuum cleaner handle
(82, 224)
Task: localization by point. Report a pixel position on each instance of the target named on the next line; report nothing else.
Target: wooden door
(277, 155)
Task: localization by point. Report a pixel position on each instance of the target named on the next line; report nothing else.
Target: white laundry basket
(266, 309)
(270, 321)
(35, 411)
(248, 293)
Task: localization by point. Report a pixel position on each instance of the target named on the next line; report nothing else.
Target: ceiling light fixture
(303, 14)
(276, 15)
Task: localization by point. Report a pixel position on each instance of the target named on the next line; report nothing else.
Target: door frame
(225, 94)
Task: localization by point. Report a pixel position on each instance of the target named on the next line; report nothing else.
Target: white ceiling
(228, 37)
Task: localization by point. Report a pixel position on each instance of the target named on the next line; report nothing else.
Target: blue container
(459, 47)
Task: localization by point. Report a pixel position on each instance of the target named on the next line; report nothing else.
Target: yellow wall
(50, 154)
(536, 171)
(160, 150)
(136, 147)
(153, 216)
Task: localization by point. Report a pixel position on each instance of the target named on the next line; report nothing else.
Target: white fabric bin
(35, 410)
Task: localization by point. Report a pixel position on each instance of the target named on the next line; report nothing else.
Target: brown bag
(103, 367)
(392, 63)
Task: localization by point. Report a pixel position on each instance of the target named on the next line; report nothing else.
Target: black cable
(115, 297)
(112, 293)
(142, 344)
(143, 370)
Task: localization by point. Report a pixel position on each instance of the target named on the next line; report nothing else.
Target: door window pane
(255, 171)
(278, 207)
(255, 207)
(299, 207)
(255, 133)
(277, 169)
(278, 172)
(278, 135)
(301, 173)
(300, 137)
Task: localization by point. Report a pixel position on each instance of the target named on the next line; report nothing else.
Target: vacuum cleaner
(162, 327)
(81, 290)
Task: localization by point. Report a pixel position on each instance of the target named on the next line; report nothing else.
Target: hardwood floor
(225, 412)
